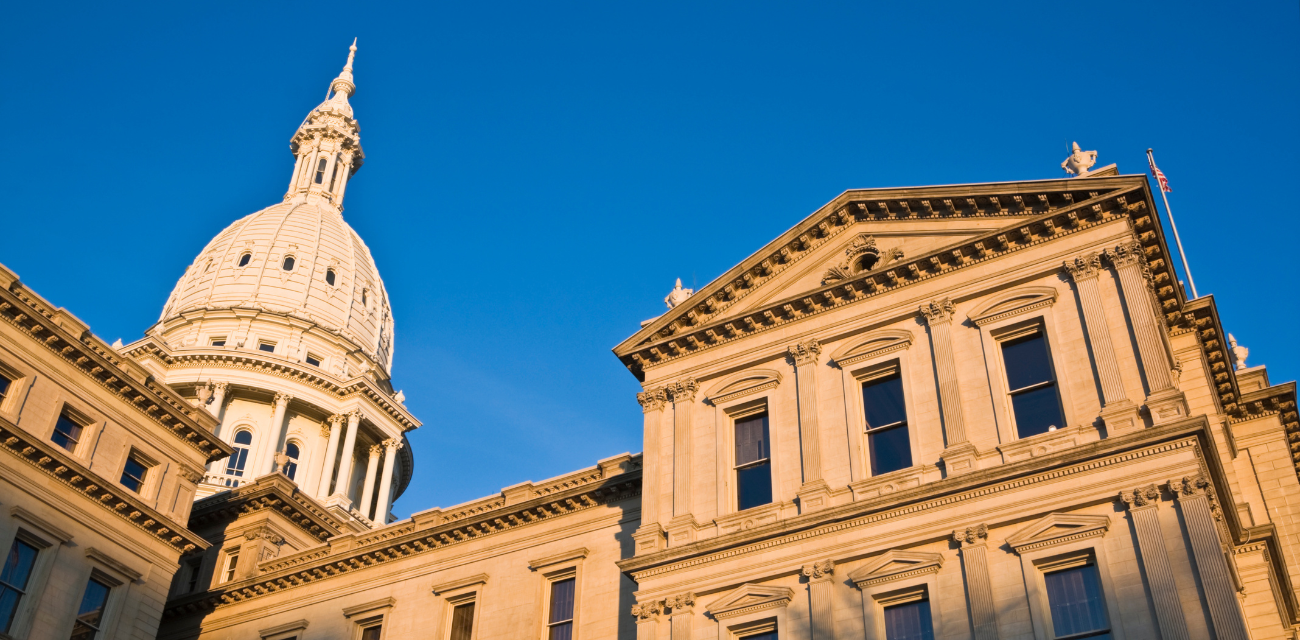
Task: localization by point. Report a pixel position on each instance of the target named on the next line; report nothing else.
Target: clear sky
(537, 174)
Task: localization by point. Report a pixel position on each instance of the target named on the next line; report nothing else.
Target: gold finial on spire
(344, 81)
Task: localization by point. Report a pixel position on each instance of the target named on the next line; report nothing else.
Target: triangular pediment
(1057, 528)
(896, 565)
(748, 598)
(910, 235)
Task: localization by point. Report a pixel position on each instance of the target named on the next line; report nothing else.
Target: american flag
(1160, 175)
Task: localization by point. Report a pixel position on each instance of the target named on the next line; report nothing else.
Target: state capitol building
(976, 411)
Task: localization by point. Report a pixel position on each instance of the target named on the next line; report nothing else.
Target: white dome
(244, 267)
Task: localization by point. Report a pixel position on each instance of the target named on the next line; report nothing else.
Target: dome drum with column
(283, 330)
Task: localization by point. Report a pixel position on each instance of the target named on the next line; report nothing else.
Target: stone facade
(979, 411)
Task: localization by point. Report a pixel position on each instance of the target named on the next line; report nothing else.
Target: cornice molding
(272, 491)
(1057, 528)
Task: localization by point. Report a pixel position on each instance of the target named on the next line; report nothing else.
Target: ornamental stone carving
(324, 431)
(1189, 486)
(680, 601)
(264, 534)
(806, 352)
(818, 570)
(1085, 266)
(356, 414)
(678, 295)
(652, 399)
(393, 443)
(862, 255)
(1126, 254)
(1140, 497)
(376, 450)
(1079, 161)
(938, 311)
(977, 534)
(282, 397)
(683, 390)
(647, 610)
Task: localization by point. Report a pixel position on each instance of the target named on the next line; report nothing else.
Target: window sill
(894, 481)
(751, 518)
(1048, 443)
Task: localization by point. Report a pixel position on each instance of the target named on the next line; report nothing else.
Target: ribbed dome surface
(318, 241)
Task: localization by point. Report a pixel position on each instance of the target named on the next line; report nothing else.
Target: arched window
(320, 171)
(235, 463)
(365, 299)
(288, 263)
(329, 277)
(244, 259)
(334, 175)
(291, 467)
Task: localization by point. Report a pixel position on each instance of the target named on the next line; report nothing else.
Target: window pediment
(872, 345)
(896, 565)
(749, 598)
(1057, 528)
(743, 384)
(1014, 302)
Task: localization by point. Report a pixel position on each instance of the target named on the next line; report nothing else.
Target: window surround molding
(898, 577)
(751, 609)
(455, 593)
(859, 362)
(46, 539)
(725, 415)
(113, 577)
(20, 382)
(743, 384)
(552, 569)
(82, 416)
(284, 631)
(998, 320)
(122, 571)
(370, 614)
(152, 472)
(1059, 537)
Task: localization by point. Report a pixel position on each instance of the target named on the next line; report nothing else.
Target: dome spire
(327, 145)
(344, 82)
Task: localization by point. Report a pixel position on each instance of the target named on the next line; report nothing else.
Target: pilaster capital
(336, 419)
(324, 431)
(376, 450)
(1189, 486)
(683, 390)
(393, 444)
(1084, 267)
(1140, 497)
(971, 536)
(820, 570)
(282, 399)
(680, 603)
(220, 386)
(355, 415)
(265, 534)
(938, 311)
(1126, 254)
(191, 474)
(647, 611)
(805, 353)
(652, 399)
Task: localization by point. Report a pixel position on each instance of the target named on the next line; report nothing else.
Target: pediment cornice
(1057, 528)
(896, 565)
(1067, 207)
(749, 598)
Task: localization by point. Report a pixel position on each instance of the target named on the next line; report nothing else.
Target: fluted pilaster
(1142, 509)
(979, 587)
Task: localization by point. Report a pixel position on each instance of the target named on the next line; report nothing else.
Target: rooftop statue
(678, 295)
(1079, 161)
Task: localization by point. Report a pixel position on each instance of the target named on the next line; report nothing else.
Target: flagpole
(1169, 212)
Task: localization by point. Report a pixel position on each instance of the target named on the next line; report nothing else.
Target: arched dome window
(244, 259)
(365, 299)
(320, 170)
(329, 277)
(288, 263)
(291, 467)
(235, 463)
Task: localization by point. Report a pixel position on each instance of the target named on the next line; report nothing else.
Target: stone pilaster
(649, 536)
(1220, 596)
(278, 429)
(682, 527)
(1118, 412)
(647, 618)
(331, 452)
(681, 615)
(979, 588)
(1142, 510)
(821, 619)
(385, 504)
(1164, 401)
(959, 456)
(814, 494)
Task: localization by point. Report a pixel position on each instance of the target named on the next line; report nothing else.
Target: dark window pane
(192, 579)
(91, 612)
(883, 400)
(909, 621)
(770, 635)
(288, 263)
(133, 474)
(462, 621)
(243, 260)
(891, 450)
(244, 437)
(313, 361)
(562, 631)
(562, 600)
(266, 346)
(1026, 361)
(372, 633)
(329, 277)
(751, 440)
(218, 343)
(13, 580)
(1036, 411)
(754, 486)
(1075, 599)
(66, 432)
(4, 386)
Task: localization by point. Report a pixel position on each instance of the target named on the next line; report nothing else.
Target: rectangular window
(909, 621)
(268, 347)
(193, 567)
(218, 342)
(886, 418)
(462, 621)
(1074, 596)
(372, 632)
(135, 471)
(13, 581)
(313, 360)
(1032, 385)
(765, 635)
(91, 612)
(753, 462)
(561, 620)
(232, 563)
(5, 383)
(67, 432)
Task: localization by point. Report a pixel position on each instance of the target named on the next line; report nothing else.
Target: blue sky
(537, 174)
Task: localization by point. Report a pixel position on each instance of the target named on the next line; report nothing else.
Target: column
(821, 619)
(1142, 511)
(391, 447)
(1118, 412)
(647, 618)
(1225, 611)
(683, 610)
(368, 488)
(218, 400)
(1163, 401)
(804, 355)
(331, 453)
(979, 589)
(277, 431)
(650, 535)
(959, 456)
(349, 448)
